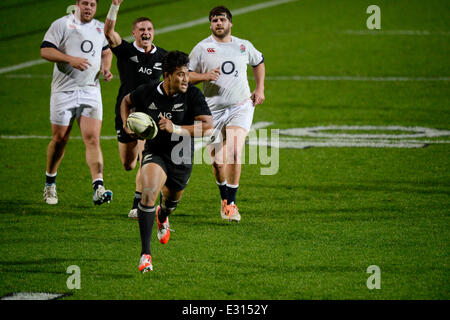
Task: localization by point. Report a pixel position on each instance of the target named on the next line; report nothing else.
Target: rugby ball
(142, 125)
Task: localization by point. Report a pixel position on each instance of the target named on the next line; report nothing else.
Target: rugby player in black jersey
(138, 63)
(181, 112)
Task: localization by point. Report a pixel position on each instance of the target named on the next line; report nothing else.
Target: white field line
(282, 78)
(336, 144)
(236, 12)
(396, 32)
(167, 29)
(199, 142)
(22, 65)
(356, 140)
(355, 78)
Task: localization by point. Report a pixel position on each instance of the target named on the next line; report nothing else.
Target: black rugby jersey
(136, 68)
(181, 109)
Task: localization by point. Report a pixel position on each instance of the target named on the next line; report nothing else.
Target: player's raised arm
(111, 35)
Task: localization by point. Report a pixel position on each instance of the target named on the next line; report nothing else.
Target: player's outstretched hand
(258, 97)
(116, 2)
(80, 63)
(165, 125)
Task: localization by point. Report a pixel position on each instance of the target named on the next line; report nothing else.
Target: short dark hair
(141, 19)
(219, 11)
(174, 59)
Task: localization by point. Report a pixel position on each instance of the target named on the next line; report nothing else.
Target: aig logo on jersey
(146, 70)
(166, 115)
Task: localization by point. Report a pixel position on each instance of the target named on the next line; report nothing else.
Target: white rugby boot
(145, 264)
(50, 196)
(232, 213)
(133, 214)
(101, 195)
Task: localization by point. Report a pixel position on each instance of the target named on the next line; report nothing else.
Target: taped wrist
(177, 129)
(112, 13)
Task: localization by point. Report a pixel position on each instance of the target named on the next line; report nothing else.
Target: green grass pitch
(308, 232)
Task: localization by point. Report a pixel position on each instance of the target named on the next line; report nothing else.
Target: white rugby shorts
(66, 105)
(240, 115)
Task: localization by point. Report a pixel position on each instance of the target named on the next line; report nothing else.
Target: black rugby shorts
(177, 175)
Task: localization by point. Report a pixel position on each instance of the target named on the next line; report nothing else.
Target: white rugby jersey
(83, 40)
(232, 57)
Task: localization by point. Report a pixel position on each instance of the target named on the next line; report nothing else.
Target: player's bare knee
(218, 165)
(237, 157)
(234, 157)
(92, 140)
(149, 196)
(60, 140)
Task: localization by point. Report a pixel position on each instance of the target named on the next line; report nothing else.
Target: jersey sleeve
(197, 103)
(122, 51)
(105, 44)
(55, 33)
(254, 56)
(194, 59)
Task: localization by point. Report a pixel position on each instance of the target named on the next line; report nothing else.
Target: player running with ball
(181, 112)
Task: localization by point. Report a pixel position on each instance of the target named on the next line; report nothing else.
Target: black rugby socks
(231, 193)
(137, 199)
(50, 178)
(223, 189)
(146, 218)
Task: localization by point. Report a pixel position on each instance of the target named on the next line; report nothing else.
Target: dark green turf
(308, 232)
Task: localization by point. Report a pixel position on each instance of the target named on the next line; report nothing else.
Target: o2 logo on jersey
(87, 46)
(228, 67)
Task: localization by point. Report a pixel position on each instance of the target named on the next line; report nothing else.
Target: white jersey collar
(78, 21)
(142, 50)
(215, 41)
(160, 90)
